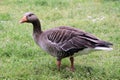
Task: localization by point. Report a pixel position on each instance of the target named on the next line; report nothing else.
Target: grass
(22, 59)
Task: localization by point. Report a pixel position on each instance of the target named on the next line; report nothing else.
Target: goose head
(29, 17)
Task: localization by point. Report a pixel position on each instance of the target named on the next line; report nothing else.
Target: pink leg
(58, 64)
(72, 63)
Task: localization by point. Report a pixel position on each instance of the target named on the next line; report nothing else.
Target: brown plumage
(64, 41)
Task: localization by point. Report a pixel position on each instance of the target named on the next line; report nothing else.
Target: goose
(64, 41)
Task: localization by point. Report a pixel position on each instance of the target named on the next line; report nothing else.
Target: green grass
(22, 59)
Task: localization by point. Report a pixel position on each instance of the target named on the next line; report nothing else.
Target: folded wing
(73, 40)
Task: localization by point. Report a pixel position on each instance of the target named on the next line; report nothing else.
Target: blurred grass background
(21, 58)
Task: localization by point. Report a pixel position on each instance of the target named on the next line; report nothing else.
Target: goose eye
(30, 15)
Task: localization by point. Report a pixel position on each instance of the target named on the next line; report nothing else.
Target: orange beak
(24, 19)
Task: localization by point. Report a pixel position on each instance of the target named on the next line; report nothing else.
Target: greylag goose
(62, 42)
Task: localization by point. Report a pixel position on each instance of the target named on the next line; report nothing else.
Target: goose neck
(36, 27)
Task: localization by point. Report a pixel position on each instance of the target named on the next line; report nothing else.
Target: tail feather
(103, 48)
(103, 45)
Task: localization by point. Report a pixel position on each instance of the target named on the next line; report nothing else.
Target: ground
(21, 58)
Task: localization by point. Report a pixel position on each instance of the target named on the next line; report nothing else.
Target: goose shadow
(80, 71)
